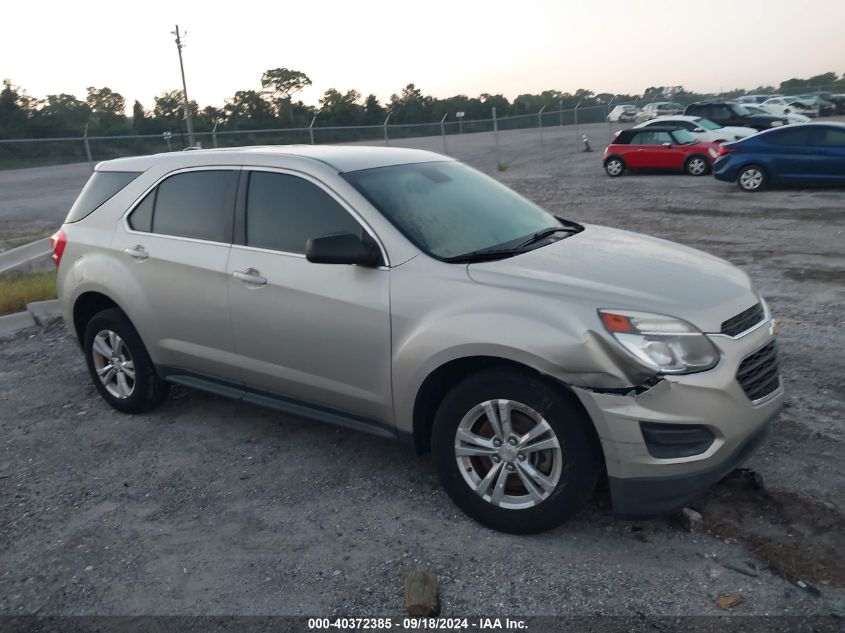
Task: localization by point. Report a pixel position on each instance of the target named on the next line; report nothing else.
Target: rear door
(794, 157)
(175, 243)
(317, 333)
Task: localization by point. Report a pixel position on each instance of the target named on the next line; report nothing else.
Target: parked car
(400, 292)
(812, 153)
(787, 107)
(734, 114)
(658, 108)
(702, 129)
(754, 99)
(825, 107)
(621, 113)
(839, 101)
(664, 148)
(791, 117)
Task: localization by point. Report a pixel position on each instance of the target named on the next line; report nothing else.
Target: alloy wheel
(614, 167)
(113, 364)
(508, 454)
(697, 166)
(751, 179)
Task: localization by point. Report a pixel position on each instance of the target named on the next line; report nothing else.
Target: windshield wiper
(483, 255)
(488, 254)
(541, 235)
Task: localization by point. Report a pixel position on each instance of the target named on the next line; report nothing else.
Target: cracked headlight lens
(662, 343)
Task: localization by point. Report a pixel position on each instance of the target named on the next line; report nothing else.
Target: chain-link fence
(16, 153)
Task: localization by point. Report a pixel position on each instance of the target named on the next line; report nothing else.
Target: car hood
(611, 268)
(768, 118)
(738, 130)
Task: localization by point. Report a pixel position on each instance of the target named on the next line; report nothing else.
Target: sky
(445, 48)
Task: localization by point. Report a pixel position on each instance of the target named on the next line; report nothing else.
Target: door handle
(250, 276)
(137, 251)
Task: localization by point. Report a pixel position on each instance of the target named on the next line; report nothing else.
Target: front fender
(578, 358)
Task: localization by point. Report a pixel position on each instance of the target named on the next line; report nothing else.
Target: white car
(702, 129)
(791, 116)
(624, 112)
(789, 105)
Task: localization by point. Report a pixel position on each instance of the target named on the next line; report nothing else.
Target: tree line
(272, 105)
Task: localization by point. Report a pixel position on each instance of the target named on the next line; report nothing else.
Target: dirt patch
(826, 275)
(796, 537)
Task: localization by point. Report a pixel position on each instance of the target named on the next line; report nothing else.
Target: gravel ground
(208, 506)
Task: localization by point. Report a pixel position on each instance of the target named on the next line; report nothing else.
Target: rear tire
(614, 167)
(119, 364)
(752, 178)
(696, 166)
(501, 477)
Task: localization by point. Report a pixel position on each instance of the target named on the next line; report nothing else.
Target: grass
(17, 289)
(24, 236)
(504, 165)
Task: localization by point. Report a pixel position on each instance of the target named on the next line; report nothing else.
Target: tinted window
(100, 187)
(196, 204)
(794, 136)
(831, 137)
(142, 217)
(283, 212)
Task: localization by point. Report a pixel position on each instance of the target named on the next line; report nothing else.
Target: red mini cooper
(658, 148)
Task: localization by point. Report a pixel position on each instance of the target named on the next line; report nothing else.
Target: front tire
(119, 364)
(514, 452)
(751, 178)
(614, 167)
(696, 166)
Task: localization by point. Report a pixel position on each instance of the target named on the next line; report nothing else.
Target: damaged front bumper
(669, 443)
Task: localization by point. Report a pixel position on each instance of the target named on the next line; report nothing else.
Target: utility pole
(189, 124)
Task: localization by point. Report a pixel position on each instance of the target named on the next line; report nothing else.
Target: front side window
(283, 212)
(831, 137)
(447, 209)
(707, 124)
(196, 204)
(652, 138)
(683, 137)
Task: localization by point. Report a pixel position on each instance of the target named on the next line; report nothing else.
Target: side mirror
(342, 248)
(667, 144)
(698, 129)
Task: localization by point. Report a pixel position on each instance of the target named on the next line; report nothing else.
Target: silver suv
(403, 293)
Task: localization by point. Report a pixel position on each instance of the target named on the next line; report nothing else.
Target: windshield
(448, 209)
(707, 124)
(682, 137)
(741, 110)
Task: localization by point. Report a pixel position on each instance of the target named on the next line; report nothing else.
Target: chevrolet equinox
(403, 293)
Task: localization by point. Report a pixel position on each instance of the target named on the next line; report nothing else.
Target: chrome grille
(743, 321)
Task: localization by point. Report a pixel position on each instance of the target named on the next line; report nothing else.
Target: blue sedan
(810, 153)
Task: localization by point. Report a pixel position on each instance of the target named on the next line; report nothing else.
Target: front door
(316, 333)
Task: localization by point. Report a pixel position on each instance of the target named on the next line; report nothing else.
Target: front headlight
(665, 344)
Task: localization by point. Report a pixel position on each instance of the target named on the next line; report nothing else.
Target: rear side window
(101, 186)
(283, 212)
(197, 205)
(793, 136)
